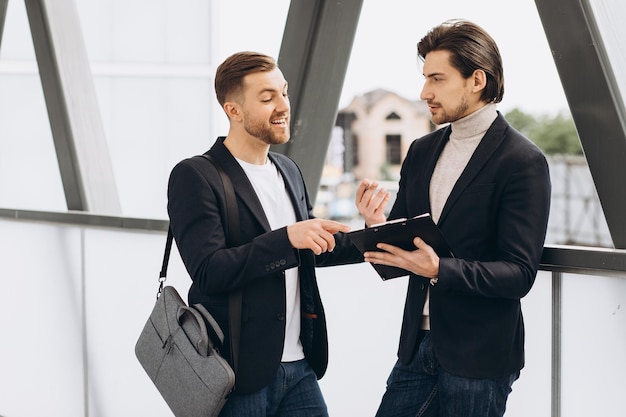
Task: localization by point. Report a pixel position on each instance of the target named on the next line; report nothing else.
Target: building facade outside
(382, 126)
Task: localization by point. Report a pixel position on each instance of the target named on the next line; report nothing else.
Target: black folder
(400, 233)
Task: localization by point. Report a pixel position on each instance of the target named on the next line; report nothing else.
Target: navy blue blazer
(255, 264)
(495, 221)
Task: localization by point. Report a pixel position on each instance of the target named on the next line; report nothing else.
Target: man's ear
(233, 111)
(479, 78)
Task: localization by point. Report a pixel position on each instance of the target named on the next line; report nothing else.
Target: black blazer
(495, 221)
(256, 263)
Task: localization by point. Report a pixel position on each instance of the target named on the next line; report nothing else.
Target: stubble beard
(265, 133)
(457, 113)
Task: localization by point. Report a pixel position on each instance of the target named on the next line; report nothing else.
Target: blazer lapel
(241, 183)
(294, 188)
(487, 146)
(427, 168)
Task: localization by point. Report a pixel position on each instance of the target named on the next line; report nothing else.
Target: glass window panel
(245, 25)
(576, 217)
(29, 171)
(151, 124)
(17, 43)
(385, 50)
(41, 355)
(610, 16)
(153, 63)
(593, 345)
(384, 56)
(147, 31)
(532, 391)
(393, 149)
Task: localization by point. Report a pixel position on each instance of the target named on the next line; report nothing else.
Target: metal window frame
(73, 112)
(4, 4)
(314, 55)
(594, 100)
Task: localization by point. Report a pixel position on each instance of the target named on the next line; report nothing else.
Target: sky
(384, 51)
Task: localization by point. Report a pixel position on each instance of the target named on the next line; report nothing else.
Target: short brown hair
(471, 48)
(229, 75)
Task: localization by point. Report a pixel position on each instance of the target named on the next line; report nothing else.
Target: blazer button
(422, 286)
(283, 262)
(280, 316)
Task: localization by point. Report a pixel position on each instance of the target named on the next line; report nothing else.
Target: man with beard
(283, 347)
(488, 189)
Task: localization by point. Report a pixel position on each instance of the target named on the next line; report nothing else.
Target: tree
(553, 134)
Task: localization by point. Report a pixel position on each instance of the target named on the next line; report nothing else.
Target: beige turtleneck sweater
(464, 139)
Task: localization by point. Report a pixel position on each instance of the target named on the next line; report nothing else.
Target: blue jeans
(422, 388)
(294, 392)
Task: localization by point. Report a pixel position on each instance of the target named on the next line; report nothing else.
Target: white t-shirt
(270, 189)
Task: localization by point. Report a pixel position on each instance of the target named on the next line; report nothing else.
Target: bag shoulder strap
(232, 237)
(232, 210)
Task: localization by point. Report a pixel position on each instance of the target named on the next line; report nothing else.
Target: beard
(265, 133)
(455, 114)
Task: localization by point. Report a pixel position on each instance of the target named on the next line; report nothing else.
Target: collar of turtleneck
(475, 124)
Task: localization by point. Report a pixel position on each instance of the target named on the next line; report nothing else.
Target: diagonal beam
(3, 14)
(77, 129)
(314, 57)
(594, 100)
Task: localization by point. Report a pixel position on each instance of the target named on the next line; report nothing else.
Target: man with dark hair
(283, 346)
(488, 189)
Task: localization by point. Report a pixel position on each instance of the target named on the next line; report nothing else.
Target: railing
(557, 259)
(78, 218)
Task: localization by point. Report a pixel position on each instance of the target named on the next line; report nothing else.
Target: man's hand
(371, 202)
(315, 234)
(422, 261)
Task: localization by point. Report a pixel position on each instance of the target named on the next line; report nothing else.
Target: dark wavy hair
(471, 48)
(229, 75)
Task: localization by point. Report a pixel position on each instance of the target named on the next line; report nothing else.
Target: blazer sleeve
(195, 204)
(508, 265)
(345, 251)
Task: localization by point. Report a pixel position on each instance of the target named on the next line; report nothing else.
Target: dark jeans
(294, 392)
(423, 389)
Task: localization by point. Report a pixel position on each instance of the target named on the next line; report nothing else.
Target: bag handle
(202, 344)
(213, 329)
